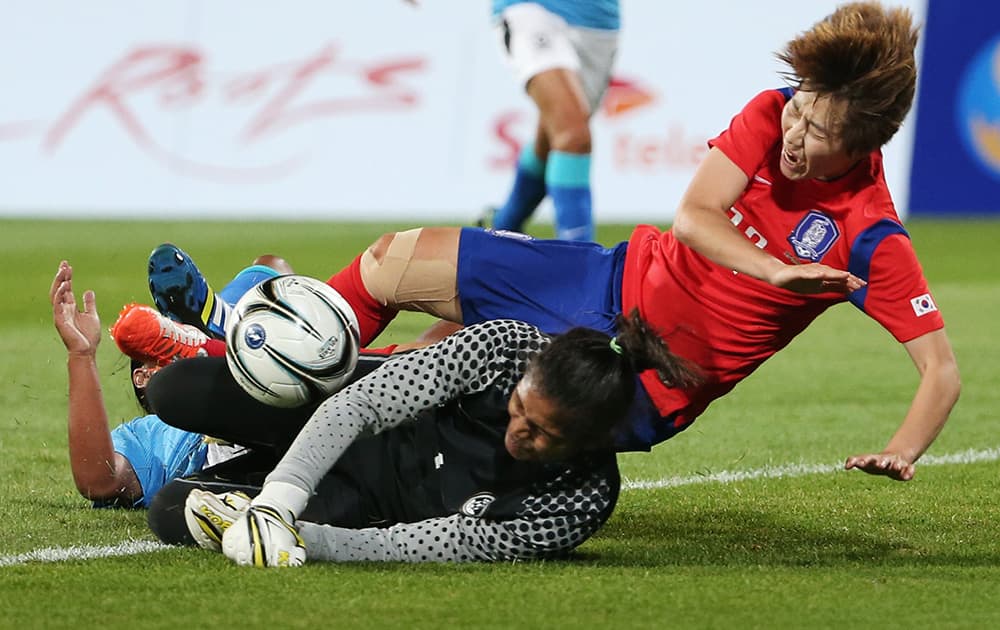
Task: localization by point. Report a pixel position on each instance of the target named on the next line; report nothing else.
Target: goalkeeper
(493, 444)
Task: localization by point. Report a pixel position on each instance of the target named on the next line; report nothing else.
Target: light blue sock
(567, 179)
(527, 192)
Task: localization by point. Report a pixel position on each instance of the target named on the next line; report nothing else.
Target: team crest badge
(477, 504)
(814, 236)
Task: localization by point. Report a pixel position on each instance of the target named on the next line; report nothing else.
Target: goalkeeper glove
(209, 515)
(264, 537)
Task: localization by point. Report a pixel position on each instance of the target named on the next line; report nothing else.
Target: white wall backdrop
(354, 110)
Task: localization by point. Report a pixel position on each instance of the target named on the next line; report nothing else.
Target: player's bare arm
(703, 224)
(98, 471)
(936, 395)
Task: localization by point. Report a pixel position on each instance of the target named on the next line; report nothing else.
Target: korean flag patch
(923, 304)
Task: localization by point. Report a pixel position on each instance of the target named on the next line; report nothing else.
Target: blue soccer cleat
(181, 292)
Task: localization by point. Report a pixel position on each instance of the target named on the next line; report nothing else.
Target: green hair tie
(614, 345)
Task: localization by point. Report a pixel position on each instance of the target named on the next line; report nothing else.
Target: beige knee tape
(400, 280)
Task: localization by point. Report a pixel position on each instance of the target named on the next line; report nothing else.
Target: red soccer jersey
(729, 323)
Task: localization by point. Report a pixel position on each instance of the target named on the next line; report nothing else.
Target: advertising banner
(370, 110)
(956, 162)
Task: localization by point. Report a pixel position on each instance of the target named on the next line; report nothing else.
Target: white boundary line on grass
(86, 552)
(785, 471)
(133, 547)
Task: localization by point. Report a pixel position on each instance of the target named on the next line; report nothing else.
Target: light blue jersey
(599, 14)
(158, 453)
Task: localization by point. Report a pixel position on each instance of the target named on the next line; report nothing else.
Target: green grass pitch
(792, 543)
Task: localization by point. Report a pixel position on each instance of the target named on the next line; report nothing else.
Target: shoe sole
(175, 291)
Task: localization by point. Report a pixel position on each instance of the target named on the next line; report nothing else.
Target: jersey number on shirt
(736, 217)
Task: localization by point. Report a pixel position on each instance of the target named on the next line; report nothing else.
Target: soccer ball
(293, 340)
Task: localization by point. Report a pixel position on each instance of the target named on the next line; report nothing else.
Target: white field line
(133, 547)
(786, 471)
(88, 552)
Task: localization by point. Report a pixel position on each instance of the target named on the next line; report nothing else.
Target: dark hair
(592, 378)
(863, 56)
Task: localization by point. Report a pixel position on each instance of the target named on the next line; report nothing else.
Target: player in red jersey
(788, 215)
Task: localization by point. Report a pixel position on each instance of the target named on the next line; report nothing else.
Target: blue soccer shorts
(551, 284)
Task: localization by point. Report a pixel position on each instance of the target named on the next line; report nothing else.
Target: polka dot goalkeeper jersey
(454, 492)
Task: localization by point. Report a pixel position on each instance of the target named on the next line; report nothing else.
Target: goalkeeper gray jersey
(434, 419)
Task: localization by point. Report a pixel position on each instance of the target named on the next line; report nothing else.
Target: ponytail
(646, 350)
(592, 377)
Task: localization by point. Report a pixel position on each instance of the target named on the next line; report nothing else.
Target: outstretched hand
(890, 465)
(80, 331)
(816, 278)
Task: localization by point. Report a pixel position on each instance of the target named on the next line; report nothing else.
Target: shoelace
(176, 340)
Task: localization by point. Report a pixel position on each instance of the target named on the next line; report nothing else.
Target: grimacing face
(811, 145)
(533, 433)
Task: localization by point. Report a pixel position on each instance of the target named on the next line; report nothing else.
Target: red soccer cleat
(145, 335)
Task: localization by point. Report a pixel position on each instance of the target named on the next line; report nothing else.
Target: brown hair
(863, 56)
